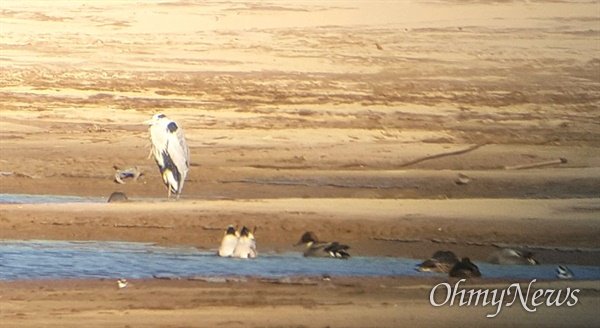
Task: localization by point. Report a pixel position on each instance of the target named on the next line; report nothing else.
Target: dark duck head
(316, 248)
(465, 269)
(441, 261)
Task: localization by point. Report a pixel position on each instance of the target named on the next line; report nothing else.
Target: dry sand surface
(303, 115)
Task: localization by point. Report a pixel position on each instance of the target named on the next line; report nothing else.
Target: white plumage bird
(228, 242)
(170, 151)
(562, 272)
(246, 245)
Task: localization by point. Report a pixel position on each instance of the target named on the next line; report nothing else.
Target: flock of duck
(243, 245)
(448, 262)
(238, 244)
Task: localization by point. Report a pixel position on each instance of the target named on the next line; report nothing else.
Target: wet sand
(302, 302)
(350, 119)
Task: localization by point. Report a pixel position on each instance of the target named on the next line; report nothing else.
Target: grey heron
(170, 151)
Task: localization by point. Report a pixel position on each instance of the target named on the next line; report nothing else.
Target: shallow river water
(46, 199)
(44, 259)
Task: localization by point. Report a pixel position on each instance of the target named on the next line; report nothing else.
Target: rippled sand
(302, 116)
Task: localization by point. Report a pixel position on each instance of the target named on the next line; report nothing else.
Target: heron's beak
(148, 122)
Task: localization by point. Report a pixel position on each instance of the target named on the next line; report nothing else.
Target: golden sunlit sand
(397, 127)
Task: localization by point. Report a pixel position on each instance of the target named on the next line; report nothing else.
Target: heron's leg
(151, 152)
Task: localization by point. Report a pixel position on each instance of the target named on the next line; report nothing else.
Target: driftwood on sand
(561, 160)
(452, 153)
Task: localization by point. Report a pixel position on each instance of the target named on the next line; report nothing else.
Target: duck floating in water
(441, 261)
(509, 256)
(228, 242)
(315, 248)
(246, 245)
(562, 272)
(465, 269)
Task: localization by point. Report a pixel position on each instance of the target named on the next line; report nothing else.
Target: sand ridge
(302, 116)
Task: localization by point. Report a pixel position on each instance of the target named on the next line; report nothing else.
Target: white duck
(228, 242)
(246, 245)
